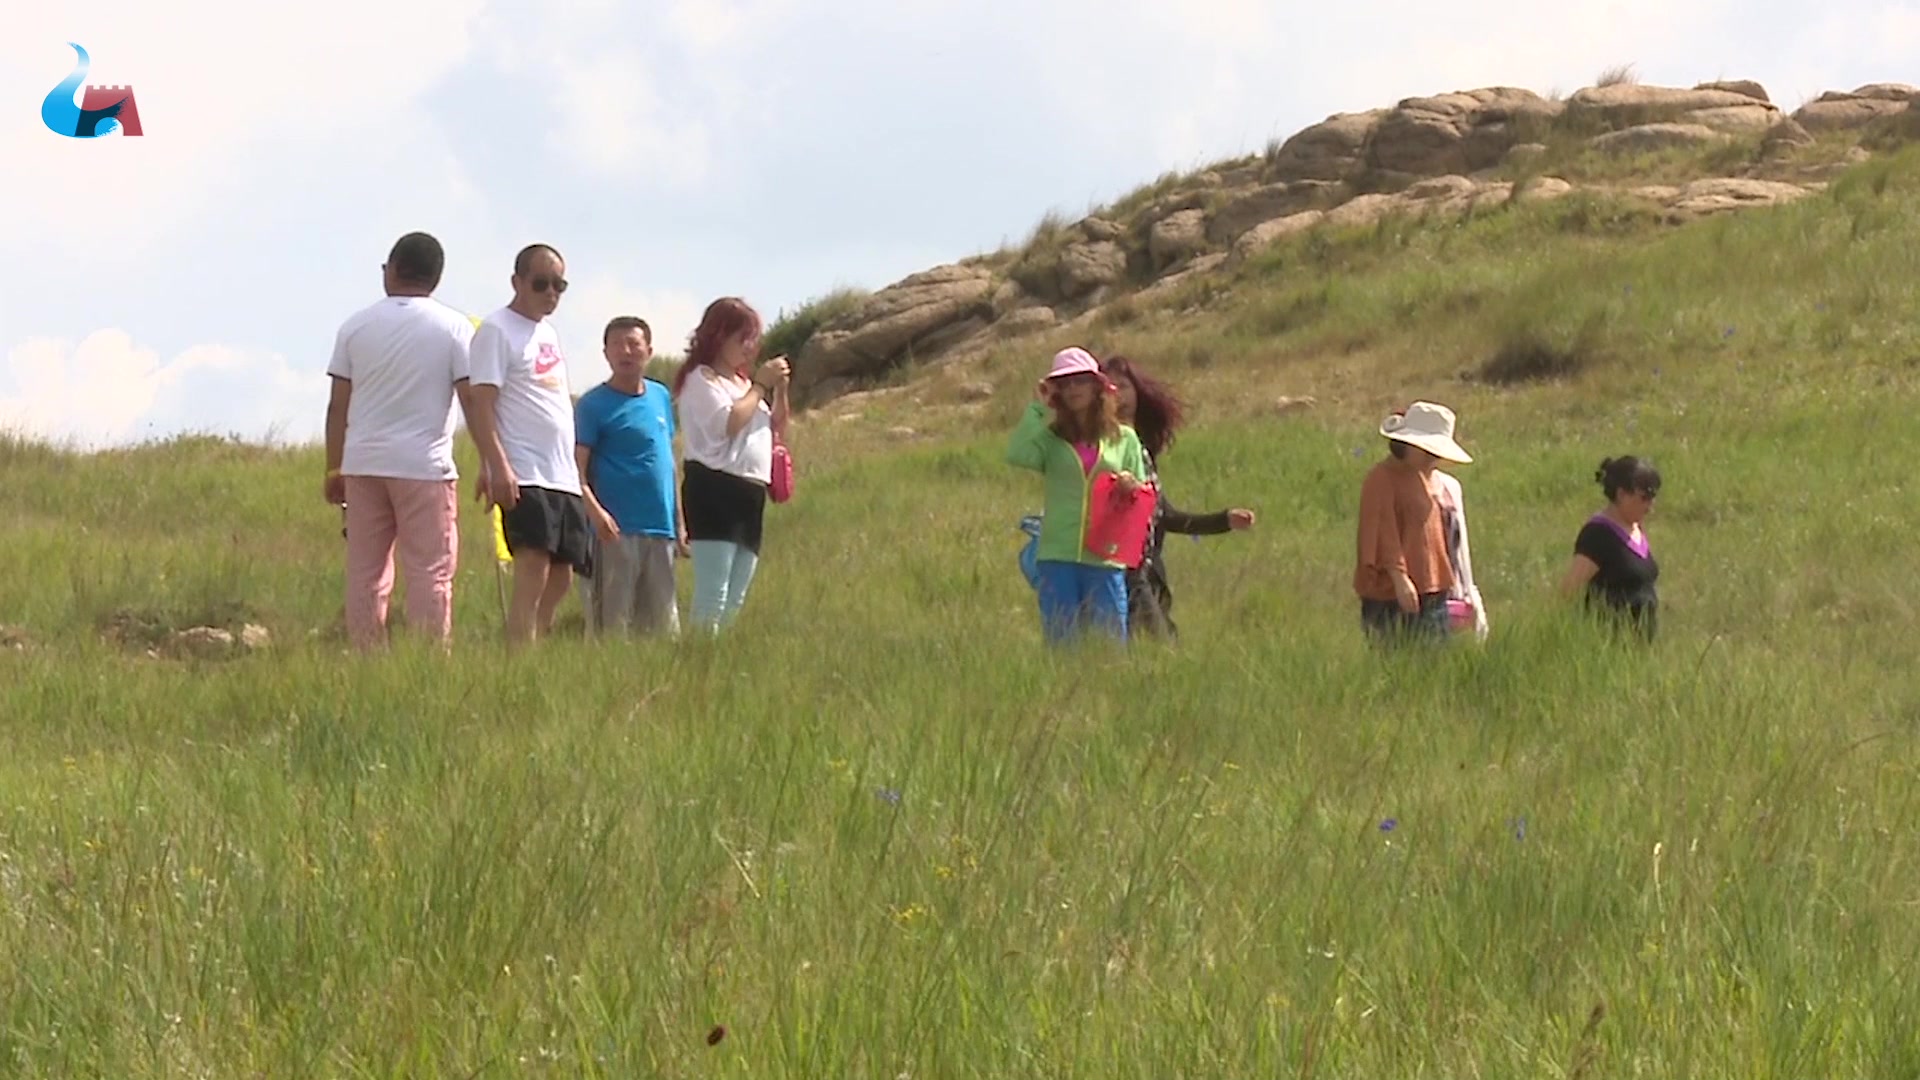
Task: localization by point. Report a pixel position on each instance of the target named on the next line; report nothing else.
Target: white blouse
(705, 400)
(1446, 489)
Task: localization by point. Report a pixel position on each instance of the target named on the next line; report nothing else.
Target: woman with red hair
(728, 414)
(1150, 407)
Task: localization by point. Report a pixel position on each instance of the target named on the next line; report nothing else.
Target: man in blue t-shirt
(623, 430)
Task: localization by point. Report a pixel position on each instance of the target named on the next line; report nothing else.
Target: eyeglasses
(1650, 495)
(543, 283)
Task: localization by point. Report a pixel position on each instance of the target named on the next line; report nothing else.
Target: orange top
(1400, 529)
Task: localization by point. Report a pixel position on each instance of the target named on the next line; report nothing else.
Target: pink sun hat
(1073, 361)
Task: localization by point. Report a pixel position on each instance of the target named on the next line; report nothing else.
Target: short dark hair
(620, 324)
(1397, 448)
(1616, 475)
(524, 261)
(417, 259)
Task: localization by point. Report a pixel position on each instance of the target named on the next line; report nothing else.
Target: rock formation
(1456, 153)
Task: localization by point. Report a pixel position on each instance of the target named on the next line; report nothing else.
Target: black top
(1150, 577)
(1166, 519)
(1625, 581)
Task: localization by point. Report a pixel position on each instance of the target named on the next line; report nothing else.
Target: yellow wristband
(331, 473)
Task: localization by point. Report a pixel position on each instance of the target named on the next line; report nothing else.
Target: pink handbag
(1118, 525)
(780, 488)
(1460, 614)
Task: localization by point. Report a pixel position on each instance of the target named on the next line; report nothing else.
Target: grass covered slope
(876, 831)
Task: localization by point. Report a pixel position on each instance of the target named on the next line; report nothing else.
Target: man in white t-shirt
(397, 367)
(523, 425)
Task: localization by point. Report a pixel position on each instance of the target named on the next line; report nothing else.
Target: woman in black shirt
(1611, 558)
(1153, 411)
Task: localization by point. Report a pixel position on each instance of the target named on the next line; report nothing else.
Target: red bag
(1118, 525)
(780, 488)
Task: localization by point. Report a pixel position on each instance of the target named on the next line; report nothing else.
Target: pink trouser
(417, 517)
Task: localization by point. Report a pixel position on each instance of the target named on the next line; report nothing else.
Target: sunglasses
(543, 283)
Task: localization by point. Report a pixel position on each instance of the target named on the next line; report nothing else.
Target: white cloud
(614, 121)
(107, 389)
(214, 80)
(681, 149)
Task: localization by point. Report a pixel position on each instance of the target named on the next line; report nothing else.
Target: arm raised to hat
(1027, 446)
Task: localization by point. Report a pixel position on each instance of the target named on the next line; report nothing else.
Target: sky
(674, 151)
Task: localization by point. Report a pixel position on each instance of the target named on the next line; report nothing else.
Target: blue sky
(678, 150)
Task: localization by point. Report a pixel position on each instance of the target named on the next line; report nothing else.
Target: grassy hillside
(877, 832)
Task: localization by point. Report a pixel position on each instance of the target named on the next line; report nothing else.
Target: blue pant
(1076, 596)
(722, 571)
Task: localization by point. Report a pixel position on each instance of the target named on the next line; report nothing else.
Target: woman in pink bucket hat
(1095, 497)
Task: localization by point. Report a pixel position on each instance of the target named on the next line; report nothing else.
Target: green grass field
(877, 831)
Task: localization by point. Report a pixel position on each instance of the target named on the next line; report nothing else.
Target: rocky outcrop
(1457, 153)
(1086, 267)
(1333, 149)
(1270, 202)
(1743, 87)
(925, 310)
(1846, 111)
(1099, 228)
(1614, 108)
(1652, 138)
(1703, 198)
(1177, 237)
(1268, 233)
(1784, 137)
(1460, 132)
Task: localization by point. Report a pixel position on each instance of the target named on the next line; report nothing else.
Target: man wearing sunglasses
(523, 426)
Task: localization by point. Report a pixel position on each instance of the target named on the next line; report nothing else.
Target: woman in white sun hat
(1403, 572)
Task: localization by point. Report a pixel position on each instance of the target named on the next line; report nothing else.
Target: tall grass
(876, 830)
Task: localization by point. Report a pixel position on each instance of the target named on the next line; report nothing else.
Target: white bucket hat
(1429, 427)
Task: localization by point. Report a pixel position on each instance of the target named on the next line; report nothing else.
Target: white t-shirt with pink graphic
(535, 412)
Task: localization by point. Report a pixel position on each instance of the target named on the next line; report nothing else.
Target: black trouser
(1148, 603)
(1386, 624)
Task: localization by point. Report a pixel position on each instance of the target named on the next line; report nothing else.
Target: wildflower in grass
(1389, 824)
(890, 796)
(1520, 828)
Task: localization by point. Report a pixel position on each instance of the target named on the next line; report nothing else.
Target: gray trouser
(632, 587)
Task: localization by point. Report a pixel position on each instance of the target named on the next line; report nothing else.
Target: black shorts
(722, 506)
(553, 522)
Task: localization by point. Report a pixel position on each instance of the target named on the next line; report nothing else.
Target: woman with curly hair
(1154, 411)
(728, 413)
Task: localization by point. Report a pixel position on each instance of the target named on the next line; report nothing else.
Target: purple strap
(1639, 547)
